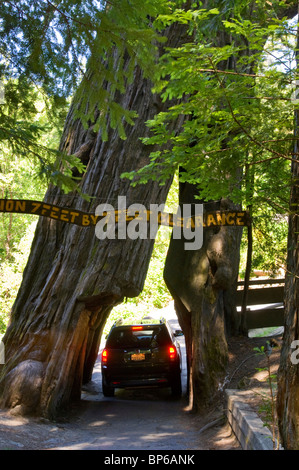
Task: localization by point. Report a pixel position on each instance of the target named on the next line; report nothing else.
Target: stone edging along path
(246, 424)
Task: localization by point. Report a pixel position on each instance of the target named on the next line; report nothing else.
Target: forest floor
(91, 424)
(249, 371)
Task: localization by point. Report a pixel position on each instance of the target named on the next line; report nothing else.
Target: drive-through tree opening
(153, 316)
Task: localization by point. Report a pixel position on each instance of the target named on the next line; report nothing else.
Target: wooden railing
(264, 303)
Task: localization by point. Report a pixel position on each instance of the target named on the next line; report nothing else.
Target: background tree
(21, 177)
(288, 374)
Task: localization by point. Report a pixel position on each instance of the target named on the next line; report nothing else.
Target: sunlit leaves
(59, 48)
(237, 107)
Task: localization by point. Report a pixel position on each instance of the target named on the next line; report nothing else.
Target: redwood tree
(203, 284)
(288, 374)
(219, 147)
(73, 279)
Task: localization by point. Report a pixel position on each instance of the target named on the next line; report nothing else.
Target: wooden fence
(264, 303)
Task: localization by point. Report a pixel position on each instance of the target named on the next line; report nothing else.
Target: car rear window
(141, 338)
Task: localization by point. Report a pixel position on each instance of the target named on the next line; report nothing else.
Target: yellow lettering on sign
(129, 217)
(122, 215)
(217, 218)
(164, 219)
(54, 213)
(240, 220)
(73, 216)
(93, 218)
(21, 206)
(46, 208)
(85, 220)
(211, 220)
(64, 215)
(9, 206)
(179, 222)
(198, 221)
(189, 223)
(230, 218)
(36, 206)
(220, 218)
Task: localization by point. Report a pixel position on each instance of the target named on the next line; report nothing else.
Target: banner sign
(85, 219)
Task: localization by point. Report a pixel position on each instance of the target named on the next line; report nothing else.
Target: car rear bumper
(134, 382)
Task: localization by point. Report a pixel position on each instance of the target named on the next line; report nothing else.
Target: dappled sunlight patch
(160, 435)
(224, 439)
(8, 419)
(98, 423)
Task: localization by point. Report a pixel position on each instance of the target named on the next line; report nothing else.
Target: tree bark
(72, 279)
(202, 283)
(288, 373)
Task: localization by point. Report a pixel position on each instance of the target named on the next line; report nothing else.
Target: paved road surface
(133, 420)
(141, 419)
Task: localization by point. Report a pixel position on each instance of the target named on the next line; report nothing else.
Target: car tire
(107, 391)
(176, 387)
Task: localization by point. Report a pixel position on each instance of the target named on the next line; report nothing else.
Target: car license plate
(138, 357)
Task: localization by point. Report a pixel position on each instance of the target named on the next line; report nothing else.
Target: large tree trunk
(202, 283)
(73, 279)
(288, 374)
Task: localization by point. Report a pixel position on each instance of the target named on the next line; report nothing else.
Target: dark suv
(141, 355)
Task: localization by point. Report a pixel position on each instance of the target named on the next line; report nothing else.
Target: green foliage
(11, 272)
(270, 233)
(236, 98)
(51, 43)
(61, 48)
(155, 295)
(29, 131)
(230, 116)
(26, 137)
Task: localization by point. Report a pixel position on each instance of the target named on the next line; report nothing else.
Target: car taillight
(134, 328)
(172, 352)
(104, 356)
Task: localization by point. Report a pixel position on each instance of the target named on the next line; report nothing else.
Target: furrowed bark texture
(288, 374)
(202, 283)
(73, 279)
